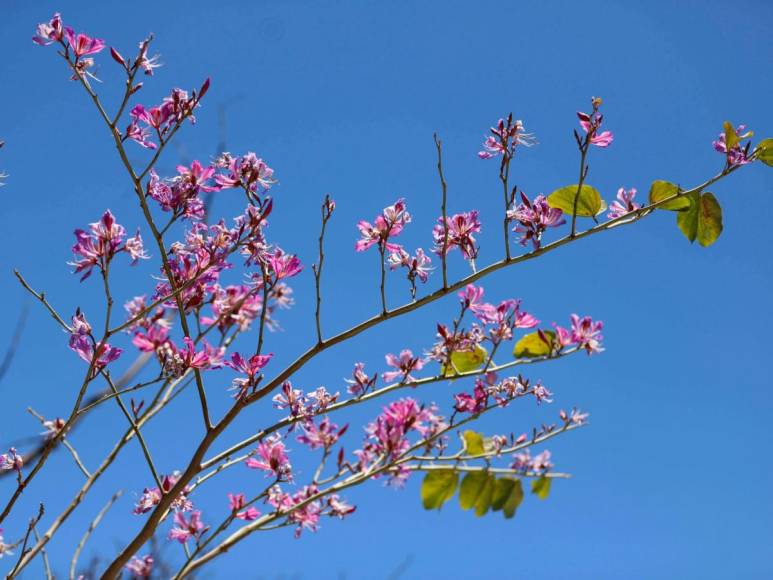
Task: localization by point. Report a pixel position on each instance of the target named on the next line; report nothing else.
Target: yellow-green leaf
(533, 345)
(703, 221)
(589, 202)
(541, 487)
(438, 487)
(660, 190)
(508, 494)
(476, 491)
(466, 361)
(765, 151)
(473, 442)
(731, 137)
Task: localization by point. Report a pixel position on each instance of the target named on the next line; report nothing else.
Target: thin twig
(92, 526)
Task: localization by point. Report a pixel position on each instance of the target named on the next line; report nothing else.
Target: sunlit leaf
(660, 190)
(508, 494)
(541, 487)
(473, 443)
(533, 344)
(765, 151)
(589, 202)
(438, 487)
(476, 491)
(466, 361)
(702, 221)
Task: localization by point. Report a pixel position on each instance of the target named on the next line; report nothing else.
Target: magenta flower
(525, 463)
(81, 44)
(504, 139)
(461, 228)
(48, 32)
(196, 177)
(98, 247)
(587, 334)
(360, 381)
(150, 340)
(237, 502)
(387, 225)
(533, 218)
(250, 367)
(736, 155)
(591, 124)
(141, 566)
(248, 171)
(418, 266)
(541, 393)
(324, 435)
(338, 507)
(152, 495)
(187, 528)
(11, 461)
(271, 456)
(624, 204)
(471, 298)
(405, 364)
(83, 344)
(282, 265)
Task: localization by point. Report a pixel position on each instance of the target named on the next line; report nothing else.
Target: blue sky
(671, 479)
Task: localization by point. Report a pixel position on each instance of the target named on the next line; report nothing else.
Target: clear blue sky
(671, 480)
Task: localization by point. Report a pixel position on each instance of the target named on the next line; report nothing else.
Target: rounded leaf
(765, 151)
(466, 361)
(703, 221)
(535, 344)
(473, 487)
(438, 487)
(660, 190)
(541, 487)
(589, 203)
(473, 443)
(508, 494)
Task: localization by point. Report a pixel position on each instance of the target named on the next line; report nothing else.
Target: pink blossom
(541, 393)
(591, 124)
(387, 225)
(250, 368)
(461, 228)
(504, 138)
(624, 204)
(324, 435)
(534, 218)
(525, 463)
(187, 528)
(471, 298)
(81, 44)
(135, 248)
(405, 364)
(587, 334)
(84, 346)
(236, 502)
(48, 32)
(11, 461)
(141, 566)
(360, 381)
(271, 456)
(151, 496)
(101, 244)
(292, 399)
(475, 403)
(418, 265)
(196, 177)
(282, 265)
(248, 171)
(152, 339)
(338, 507)
(736, 155)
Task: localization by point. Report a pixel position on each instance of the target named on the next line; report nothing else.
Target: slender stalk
(92, 526)
(443, 188)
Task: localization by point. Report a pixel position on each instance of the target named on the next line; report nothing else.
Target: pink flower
(101, 244)
(236, 502)
(525, 463)
(405, 364)
(11, 461)
(248, 171)
(141, 566)
(624, 204)
(591, 124)
(81, 44)
(187, 528)
(736, 155)
(152, 339)
(504, 138)
(250, 367)
(471, 298)
(461, 228)
(271, 456)
(387, 225)
(196, 177)
(360, 381)
(83, 344)
(324, 435)
(283, 265)
(49, 32)
(418, 265)
(151, 496)
(587, 334)
(534, 218)
(135, 248)
(338, 507)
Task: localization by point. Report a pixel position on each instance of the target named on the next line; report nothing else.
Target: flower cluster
(417, 266)
(239, 509)
(504, 139)
(404, 365)
(83, 343)
(502, 392)
(80, 45)
(323, 436)
(533, 218)
(248, 172)
(304, 405)
(180, 194)
(387, 225)
(250, 368)
(584, 333)
(729, 143)
(187, 527)
(11, 461)
(525, 463)
(458, 232)
(141, 566)
(104, 240)
(162, 120)
(151, 496)
(308, 515)
(360, 382)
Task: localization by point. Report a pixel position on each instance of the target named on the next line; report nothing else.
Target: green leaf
(765, 151)
(541, 487)
(508, 494)
(476, 491)
(703, 221)
(661, 190)
(731, 137)
(533, 345)
(466, 361)
(473, 443)
(438, 487)
(589, 203)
